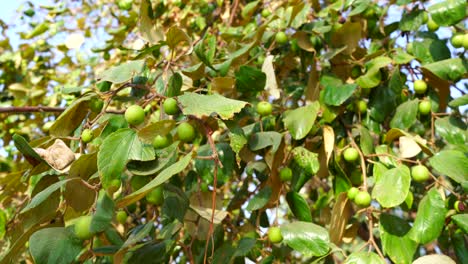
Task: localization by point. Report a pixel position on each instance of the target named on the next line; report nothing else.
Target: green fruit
(457, 40)
(281, 38)
(135, 115)
(186, 132)
(125, 4)
(362, 106)
(96, 105)
(160, 142)
(420, 86)
(82, 227)
(121, 217)
(459, 206)
(274, 234)
(425, 107)
(156, 196)
(285, 174)
(409, 48)
(362, 199)
(419, 173)
(352, 193)
(465, 41)
(264, 108)
(350, 154)
(87, 135)
(170, 106)
(114, 185)
(266, 13)
(355, 72)
(432, 26)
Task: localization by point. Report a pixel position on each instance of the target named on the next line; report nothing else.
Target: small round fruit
(125, 4)
(264, 108)
(465, 41)
(362, 106)
(186, 132)
(425, 107)
(457, 40)
(82, 226)
(170, 106)
(135, 115)
(266, 13)
(114, 185)
(96, 105)
(420, 86)
(87, 135)
(160, 142)
(350, 154)
(420, 173)
(281, 38)
(362, 199)
(352, 193)
(156, 196)
(274, 234)
(432, 25)
(121, 217)
(285, 174)
(459, 206)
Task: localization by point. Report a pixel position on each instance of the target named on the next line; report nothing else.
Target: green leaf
(54, 245)
(71, 118)
(205, 168)
(23, 146)
(205, 50)
(174, 85)
(364, 258)
(104, 212)
(245, 245)
(138, 234)
(153, 252)
(166, 157)
(460, 101)
(122, 73)
(307, 238)
(300, 120)
(395, 241)
(116, 150)
(39, 29)
(430, 218)
(412, 21)
(162, 177)
(237, 141)
(249, 9)
(43, 195)
(461, 220)
(205, 105)
(405, 115)
(3, 223)
(401, 57)
(431, 50)
(175, 203)
(84, 167)
(449, 69)
(336, 95)
(299, 206)
(175, 36)
(448, 12)
(149, 132)
(262, 140)
(392, 186)
(250, 79)
(146, 25)
(452, 129)
(366, 142)
(306, 160)
(372, 77)
(260, 199)
(452, 163)
(79, 196)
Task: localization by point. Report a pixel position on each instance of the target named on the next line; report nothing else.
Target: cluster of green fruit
(460, 40)
(135, 115)
(420, 88)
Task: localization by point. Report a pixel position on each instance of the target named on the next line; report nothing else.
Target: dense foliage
(226, 131)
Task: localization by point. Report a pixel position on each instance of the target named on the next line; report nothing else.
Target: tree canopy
(182, 131)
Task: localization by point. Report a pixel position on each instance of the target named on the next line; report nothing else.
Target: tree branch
(45, 109)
